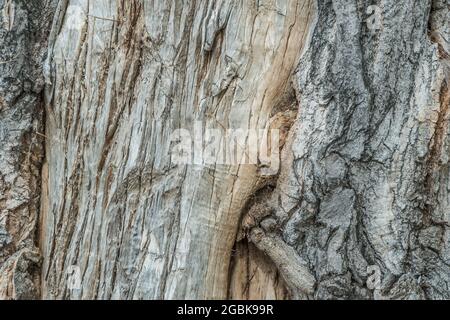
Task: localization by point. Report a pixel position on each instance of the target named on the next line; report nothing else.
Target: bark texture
(370, 152)
(359, 90)
(125, 75)
(24, 27)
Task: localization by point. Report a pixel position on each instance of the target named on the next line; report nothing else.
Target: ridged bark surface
(370, 152)
(358, 89)
(24, 26)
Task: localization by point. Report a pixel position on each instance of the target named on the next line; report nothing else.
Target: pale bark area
(123, 80)
(364, 178)
(23, 29)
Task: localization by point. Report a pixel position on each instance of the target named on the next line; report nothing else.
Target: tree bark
(357, 90)
(370, 153)
(24, 28)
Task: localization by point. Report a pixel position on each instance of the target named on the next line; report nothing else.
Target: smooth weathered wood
(253, 276)
(125, 75)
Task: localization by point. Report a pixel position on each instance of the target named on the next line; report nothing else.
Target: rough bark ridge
(23, 29)
(368, 182)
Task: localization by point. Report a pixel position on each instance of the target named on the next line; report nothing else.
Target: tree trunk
(24, 27)
(345, 101)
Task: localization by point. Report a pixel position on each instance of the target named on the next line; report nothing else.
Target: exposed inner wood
(123, 80)
(254, 276)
